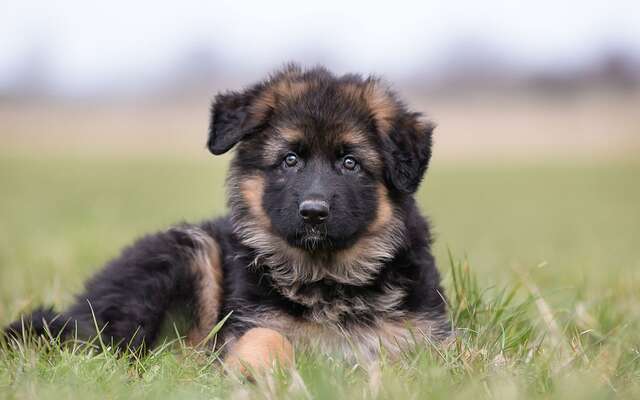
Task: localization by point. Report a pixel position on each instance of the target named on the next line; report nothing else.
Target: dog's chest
(353, 341)
(330, 303)
(349, 322)
(345, 320)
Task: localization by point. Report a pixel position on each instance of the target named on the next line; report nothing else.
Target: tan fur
(290, 89)
(384, 213)
(290, 135)
(278, 144)
(363, 148)
(354, 138)
(273, 149)
(351, 90)
(259, 349)
(252, 189)
(207, 265)
(357, 342)
(262, 105)
(282, 89)
(382, 105)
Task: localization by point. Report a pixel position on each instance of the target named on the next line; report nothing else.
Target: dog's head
(322, 161)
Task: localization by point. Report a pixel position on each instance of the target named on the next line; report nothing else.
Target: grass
(541, 264)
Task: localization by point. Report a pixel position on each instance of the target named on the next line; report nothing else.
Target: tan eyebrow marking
(354, 137)
(278, 142)
(290, 135)
(362, 148)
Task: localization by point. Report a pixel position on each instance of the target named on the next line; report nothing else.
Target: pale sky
(92, 44)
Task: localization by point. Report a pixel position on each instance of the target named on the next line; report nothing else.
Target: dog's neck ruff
(336, 286)
(300, 276)
(357, 265)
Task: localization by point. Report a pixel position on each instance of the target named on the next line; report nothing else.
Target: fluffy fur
(360, 279)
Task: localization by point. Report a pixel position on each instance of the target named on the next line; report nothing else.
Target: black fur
(131, 296)
(407, 153)
(40, 322)
(230, 117)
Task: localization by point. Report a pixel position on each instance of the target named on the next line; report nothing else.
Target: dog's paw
(258, 350)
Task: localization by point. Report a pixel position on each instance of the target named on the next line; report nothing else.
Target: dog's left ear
(233, 118)
(407, 151)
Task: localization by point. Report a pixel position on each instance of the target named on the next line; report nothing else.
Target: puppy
(324, 245)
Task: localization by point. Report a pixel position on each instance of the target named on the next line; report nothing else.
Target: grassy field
(544, 280)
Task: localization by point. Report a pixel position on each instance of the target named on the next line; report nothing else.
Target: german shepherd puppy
(324, 245)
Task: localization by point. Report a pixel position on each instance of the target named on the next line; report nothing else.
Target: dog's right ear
(233, 117)
(236, 115)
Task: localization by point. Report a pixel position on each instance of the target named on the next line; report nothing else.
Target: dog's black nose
(314, 211)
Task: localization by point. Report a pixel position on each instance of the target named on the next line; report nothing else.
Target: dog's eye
(349, 163)
(290, 160)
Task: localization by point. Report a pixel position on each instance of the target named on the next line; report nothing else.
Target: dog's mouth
(313, 238)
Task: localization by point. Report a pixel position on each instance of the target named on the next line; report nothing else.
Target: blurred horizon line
(462, 67)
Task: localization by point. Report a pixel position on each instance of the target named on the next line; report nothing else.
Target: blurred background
(532, 79)
(104, 112)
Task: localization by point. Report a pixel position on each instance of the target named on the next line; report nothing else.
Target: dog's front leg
(257, 350)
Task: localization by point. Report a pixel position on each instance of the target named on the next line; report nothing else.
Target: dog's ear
(407, 151)
(233, 117)
(405, 138)
(236, 115)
